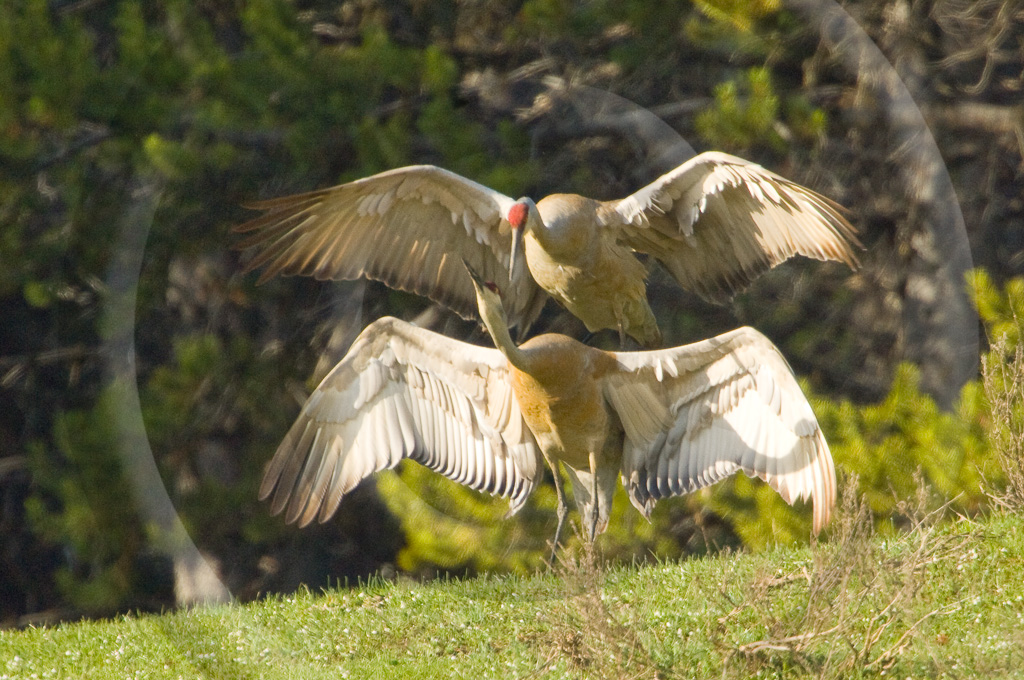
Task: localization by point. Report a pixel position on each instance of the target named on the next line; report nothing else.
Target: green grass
(942, 600)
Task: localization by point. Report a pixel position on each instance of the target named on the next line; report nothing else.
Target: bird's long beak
(476, 277)
(517, 245)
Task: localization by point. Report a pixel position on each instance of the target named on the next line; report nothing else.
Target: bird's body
(560, 399)
(715, 223)
(593, 275)
(559, 392)
(668, 421)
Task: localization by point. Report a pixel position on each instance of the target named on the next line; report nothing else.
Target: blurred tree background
(131, 133)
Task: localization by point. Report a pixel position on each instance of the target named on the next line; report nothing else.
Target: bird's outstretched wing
(695, 414)
(404, 392)
(409, 228)
(717, 222)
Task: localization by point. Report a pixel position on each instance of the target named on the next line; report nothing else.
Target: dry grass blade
(793, 643)
(585, 632)
(860, 613)
(1003, 381)
(886, 658)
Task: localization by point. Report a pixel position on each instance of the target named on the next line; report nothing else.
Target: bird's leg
(593, 495)
(622, 344)
(561, 511)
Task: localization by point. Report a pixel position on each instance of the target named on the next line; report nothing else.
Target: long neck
(493, 317)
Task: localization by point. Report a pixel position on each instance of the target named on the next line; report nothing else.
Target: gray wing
(404, 392)
(696, 414)
(409, 228)
(717, 222)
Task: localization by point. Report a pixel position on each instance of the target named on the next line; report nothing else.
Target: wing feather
(403, 392)
(290, 469)
(396, 227)
(322, 483)
(717, 222)
(453, 470)
(733, 405)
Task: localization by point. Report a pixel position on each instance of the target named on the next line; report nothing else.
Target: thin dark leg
(561, 511)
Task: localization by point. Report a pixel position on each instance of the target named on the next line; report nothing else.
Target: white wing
(409, 228)
(717, 222)
(404, 392)
(695, 414)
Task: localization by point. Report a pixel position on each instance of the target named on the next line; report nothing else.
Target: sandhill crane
(669, 421)
(715, 223)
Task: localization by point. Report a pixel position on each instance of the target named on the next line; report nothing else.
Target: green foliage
(805, 120)
(1003, 379)
(465, 147)
(551, 18)
(889, 443)
(440, 72)
(450, 527)
(748, 111)
(741, 15)
(743, 26)
(1002, 311)
(745, 113)
(83, 507)
(35, 49)
(210, 394)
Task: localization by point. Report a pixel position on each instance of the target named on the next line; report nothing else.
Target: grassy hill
(935, 600)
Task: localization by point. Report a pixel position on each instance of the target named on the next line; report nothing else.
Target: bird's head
(520, 217)
(484, 289)
(488, 298)
(519, 214)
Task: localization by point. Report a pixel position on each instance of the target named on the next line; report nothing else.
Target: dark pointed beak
(476, 277)
(517, 245)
